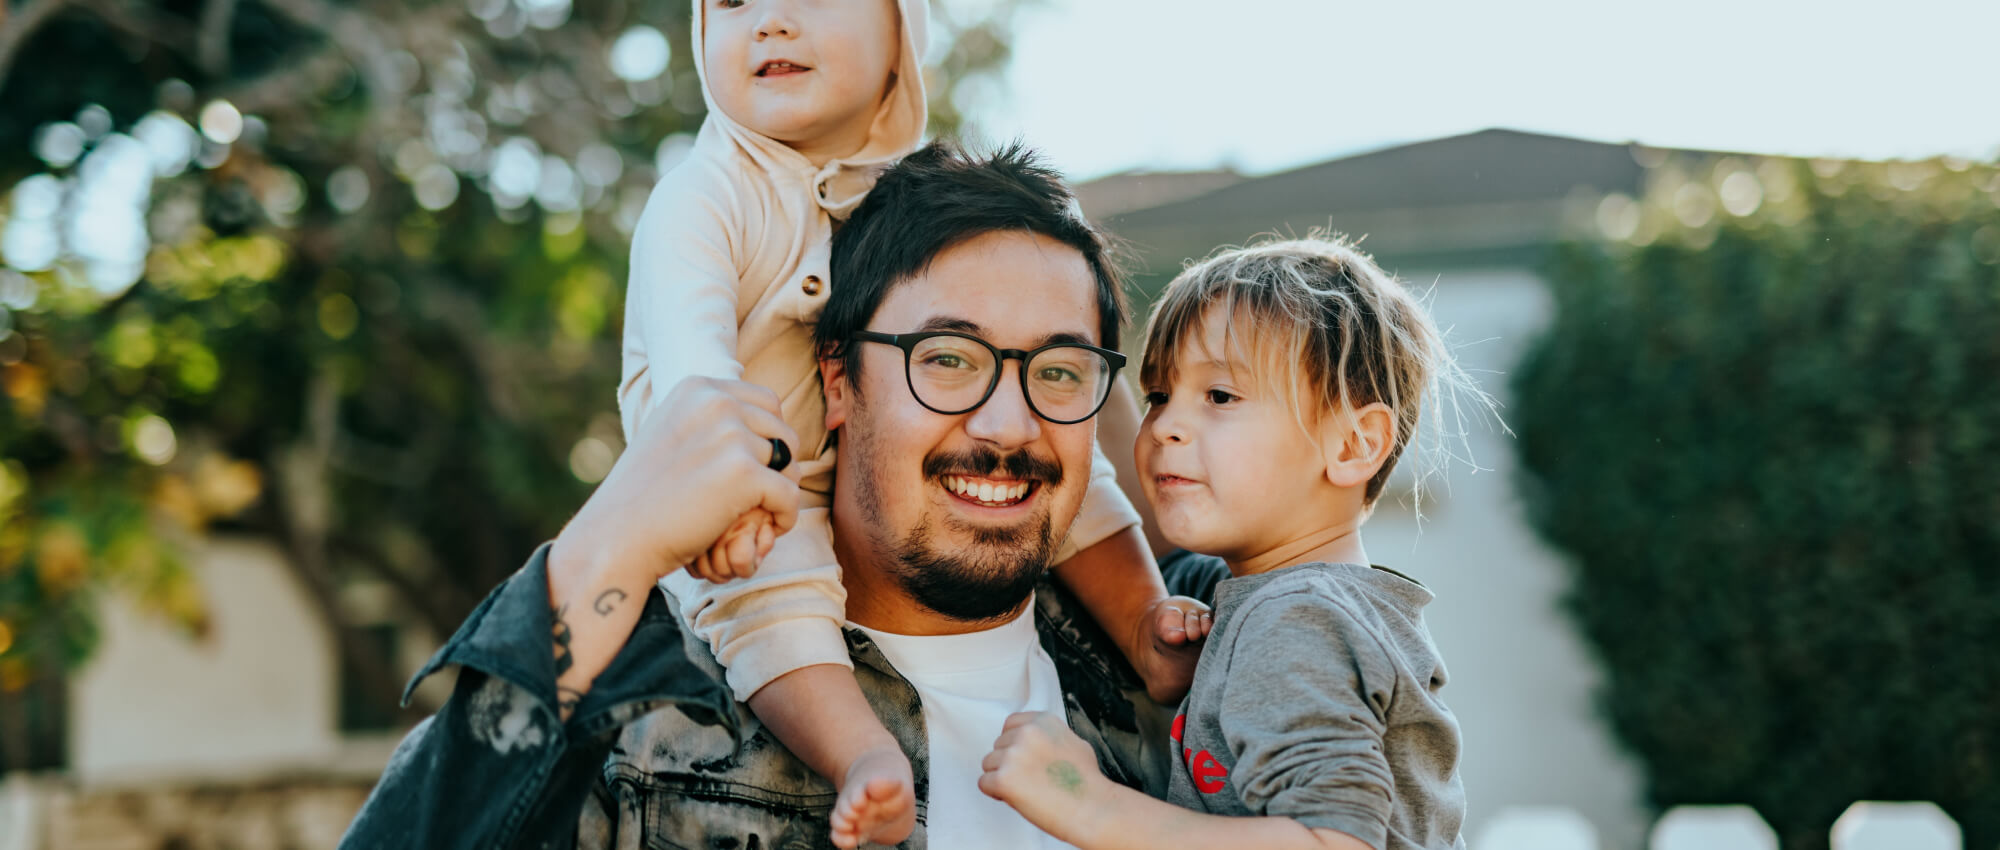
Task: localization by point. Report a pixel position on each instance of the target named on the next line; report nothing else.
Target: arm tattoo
(605, 602)
(561, 634)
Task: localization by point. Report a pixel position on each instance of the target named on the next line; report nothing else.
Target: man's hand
(1179, 625)
(696, 466)
(1048, 774)
(695, 469)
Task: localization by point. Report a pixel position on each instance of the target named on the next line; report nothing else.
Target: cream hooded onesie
(729, 271)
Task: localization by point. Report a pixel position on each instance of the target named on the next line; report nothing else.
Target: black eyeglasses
(953, 373)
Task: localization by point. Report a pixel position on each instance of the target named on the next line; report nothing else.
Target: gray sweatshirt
(1317, 699)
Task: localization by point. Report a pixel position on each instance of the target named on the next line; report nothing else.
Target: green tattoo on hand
(1067, 777)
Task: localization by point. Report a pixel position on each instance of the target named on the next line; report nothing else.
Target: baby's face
(809, 73)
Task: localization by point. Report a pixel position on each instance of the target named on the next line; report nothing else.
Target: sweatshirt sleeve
(1303, 711)
(681, 296)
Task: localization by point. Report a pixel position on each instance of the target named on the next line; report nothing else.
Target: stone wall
(301, 814)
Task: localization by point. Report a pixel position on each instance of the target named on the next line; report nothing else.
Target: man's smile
(990, 492)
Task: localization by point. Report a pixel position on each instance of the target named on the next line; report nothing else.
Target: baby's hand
(739, 550)
(1180, 625)
(1043, 770)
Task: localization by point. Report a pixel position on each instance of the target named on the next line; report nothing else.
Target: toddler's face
(800, 70)
(1222, 459)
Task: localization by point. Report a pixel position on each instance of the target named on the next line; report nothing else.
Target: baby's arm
(1049, 775)
(1114, 574)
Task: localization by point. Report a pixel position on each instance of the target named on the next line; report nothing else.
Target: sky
(1110, 85)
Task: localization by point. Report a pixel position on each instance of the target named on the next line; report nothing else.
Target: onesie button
(811, 286)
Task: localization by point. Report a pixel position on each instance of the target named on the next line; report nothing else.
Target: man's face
(905, 471)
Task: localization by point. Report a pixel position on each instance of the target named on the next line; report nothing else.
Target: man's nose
(1005, 420)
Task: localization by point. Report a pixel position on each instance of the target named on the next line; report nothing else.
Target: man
(960, 473)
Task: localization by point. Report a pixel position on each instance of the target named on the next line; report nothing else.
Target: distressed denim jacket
(657, 755)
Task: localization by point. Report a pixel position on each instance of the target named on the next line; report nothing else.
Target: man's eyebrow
(951, 323)
(967, 326)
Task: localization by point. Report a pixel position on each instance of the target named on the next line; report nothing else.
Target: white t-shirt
(968, 685)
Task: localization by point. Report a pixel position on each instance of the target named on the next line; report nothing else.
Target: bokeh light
(347, 188)
(640, 53)
(59, 144)
(153, 440)
(221, 123)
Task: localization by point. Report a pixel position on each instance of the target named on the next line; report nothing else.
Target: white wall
(1521, 681)
(257, 696)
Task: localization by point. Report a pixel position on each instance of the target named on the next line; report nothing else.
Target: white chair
(1537, 828)
(1896, 826)
(20, 825)
(1713, 828)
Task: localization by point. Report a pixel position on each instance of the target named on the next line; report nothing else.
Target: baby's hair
(1324, 327)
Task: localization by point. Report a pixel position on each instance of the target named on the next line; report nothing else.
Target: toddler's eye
(1220, 398)
(1155, 399)
(729, 4)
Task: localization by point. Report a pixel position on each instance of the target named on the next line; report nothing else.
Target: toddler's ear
(1355, 447)
(839, 393)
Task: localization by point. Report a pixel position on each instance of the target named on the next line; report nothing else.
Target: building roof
(1494, 196)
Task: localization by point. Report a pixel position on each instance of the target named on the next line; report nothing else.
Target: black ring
(781, 456)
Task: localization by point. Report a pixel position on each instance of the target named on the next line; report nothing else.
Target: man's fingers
(755, 395)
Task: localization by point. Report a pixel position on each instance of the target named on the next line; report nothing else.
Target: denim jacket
(657, 755)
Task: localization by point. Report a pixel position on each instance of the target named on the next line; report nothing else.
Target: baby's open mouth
(780, 68)
(988, 492)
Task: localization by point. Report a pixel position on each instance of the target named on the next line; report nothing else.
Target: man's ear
(839, 393)
(1355, 448)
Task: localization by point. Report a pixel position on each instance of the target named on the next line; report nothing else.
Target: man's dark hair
(938, 197)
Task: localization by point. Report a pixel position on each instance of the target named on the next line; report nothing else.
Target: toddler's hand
(1180, 625)
(1043, 770)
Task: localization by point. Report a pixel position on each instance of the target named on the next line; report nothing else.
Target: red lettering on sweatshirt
(1209, 774)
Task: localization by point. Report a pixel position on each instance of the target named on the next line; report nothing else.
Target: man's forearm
(592, 614)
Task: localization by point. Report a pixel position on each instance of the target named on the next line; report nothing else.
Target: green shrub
(1765, 429)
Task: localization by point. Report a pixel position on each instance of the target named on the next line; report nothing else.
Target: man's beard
(991, 577)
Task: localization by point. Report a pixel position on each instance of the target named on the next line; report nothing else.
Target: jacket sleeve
(495, 767)
(681, 296)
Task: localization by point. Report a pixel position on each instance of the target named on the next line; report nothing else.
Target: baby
(807, 99)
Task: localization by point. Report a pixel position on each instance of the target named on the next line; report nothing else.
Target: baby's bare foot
(878, 800)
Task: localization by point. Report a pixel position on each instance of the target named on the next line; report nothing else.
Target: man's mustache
(984, 462)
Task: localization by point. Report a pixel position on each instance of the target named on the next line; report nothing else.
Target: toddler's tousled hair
(1324, 327)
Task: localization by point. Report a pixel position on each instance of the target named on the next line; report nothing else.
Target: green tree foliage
(1764, 428)
(348, 275)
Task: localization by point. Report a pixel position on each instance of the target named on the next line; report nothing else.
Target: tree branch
(15, 28)
(212, 42)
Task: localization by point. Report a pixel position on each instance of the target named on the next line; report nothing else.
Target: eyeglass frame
(908, 343)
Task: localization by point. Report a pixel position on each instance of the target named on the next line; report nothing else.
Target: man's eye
(1057, 375)
(945, 361)
(1220, 398)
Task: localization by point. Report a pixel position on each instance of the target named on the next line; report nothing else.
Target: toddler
(1283, 382)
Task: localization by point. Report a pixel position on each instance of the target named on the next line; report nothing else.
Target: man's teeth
(986, 491)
